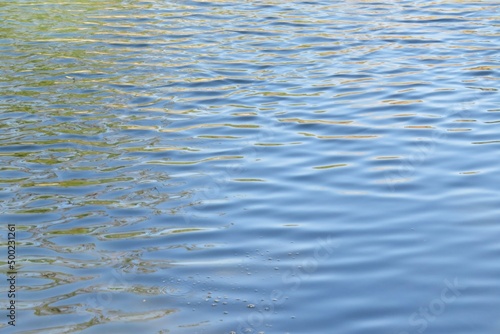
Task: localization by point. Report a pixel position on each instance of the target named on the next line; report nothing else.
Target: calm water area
(223, 166)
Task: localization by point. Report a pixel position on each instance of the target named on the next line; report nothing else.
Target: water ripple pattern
(251, 166)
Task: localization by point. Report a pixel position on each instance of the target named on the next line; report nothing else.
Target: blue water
(251, 167)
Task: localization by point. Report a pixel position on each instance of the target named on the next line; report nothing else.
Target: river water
(251, 166)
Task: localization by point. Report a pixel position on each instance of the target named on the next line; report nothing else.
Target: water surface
(250, 166)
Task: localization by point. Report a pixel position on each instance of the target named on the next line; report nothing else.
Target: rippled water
(252, 166)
